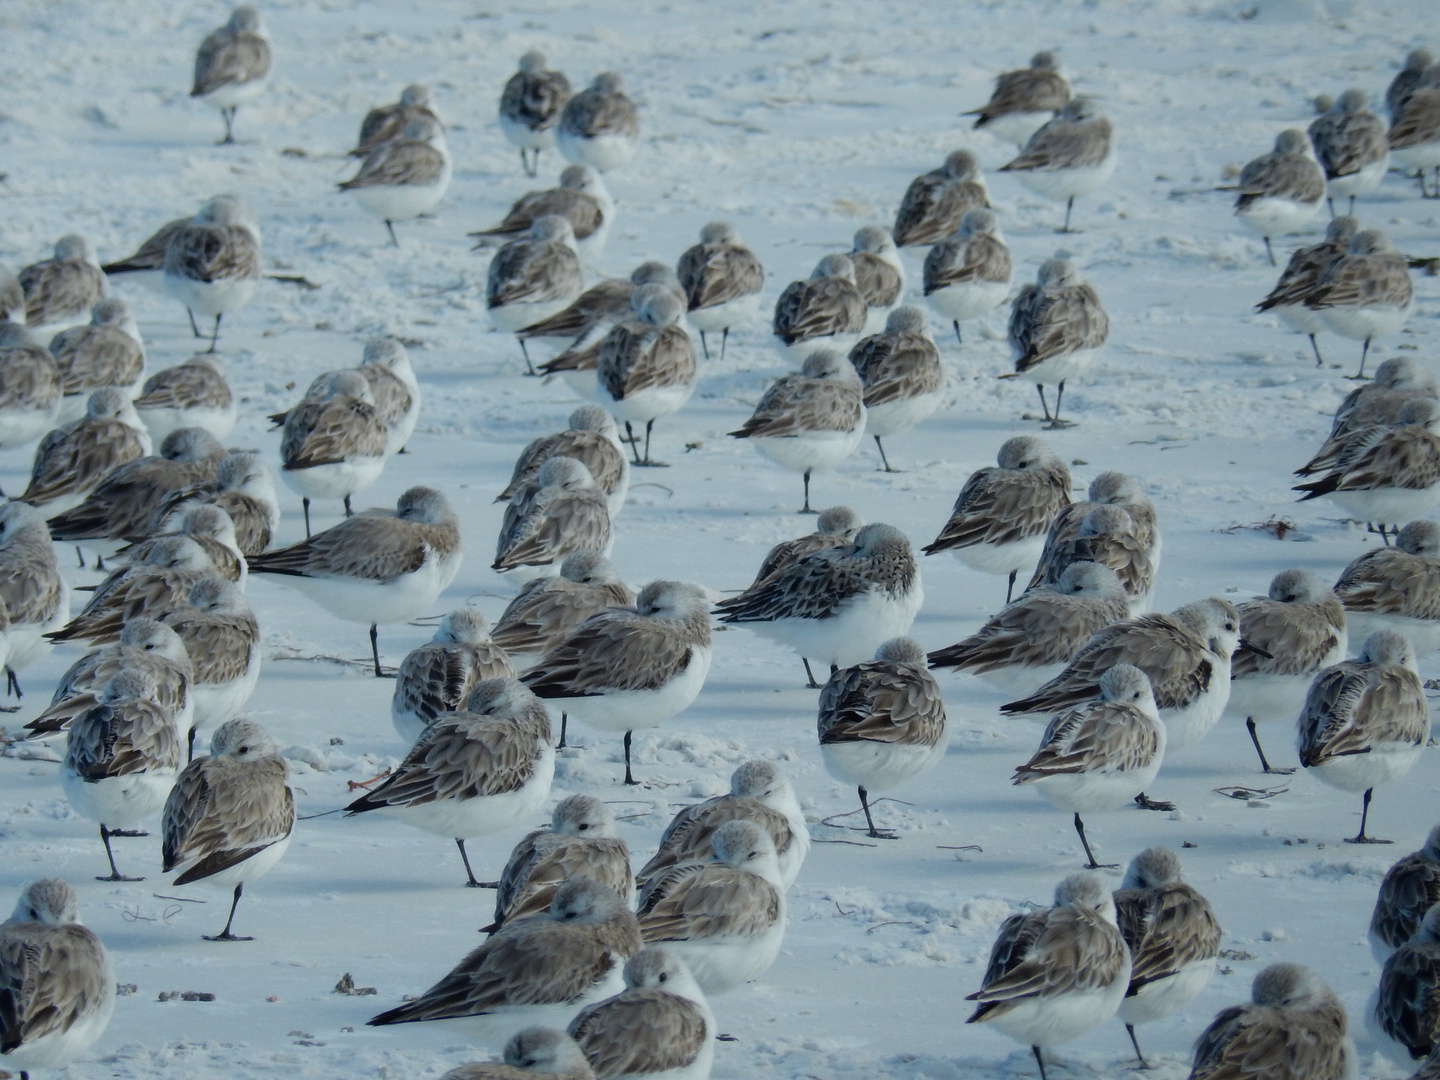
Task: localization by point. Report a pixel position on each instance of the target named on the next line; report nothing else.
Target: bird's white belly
(335, 480)
(968, 300)
(813, 451)
(634, 710)
(898, 417)
(483, 815)
(119, 802)
(1272, 216)
(876, 766)
(1069, 183)
(1165, 997)
(724, 315)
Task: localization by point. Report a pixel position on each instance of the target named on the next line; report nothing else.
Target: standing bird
(376, 567)
(834, 527)
(436, 678)
(721, 279)
(233, 65)
(562, 511)
(244, 489)
(901, 373)
(474, 772)
(968, 274)
(1305, 270)
(1365, 721)
(1406, 1011)
(1410, 889)
(599, 126)
(591, 439)
(812, 420)
(581, 199)
(386, 122)
(73, 461)
(334, 442)
(1351, 145)
(530, 107)
(827, 310)
(56, 983)
(879, 274)
(1294, 1027)
(1058, 972)
(191, 394)
(1101, 754)
(1296, 631)
(1003, 514)
(34, 594)
(212, 265)
(1397, 588)
(121, 758)
(1173, 939)
(1279, 192)
(1058, 328)
(222, 638)
(386, 366)
(1024, 101)
(578, 329)
(549, 609)
(1415, 131)
(1407, 80)
(230, 815)
(1383, 413)
(404, 177)
(1367, 293)
(882, 723)
(60, 292)
(837, 605)
(645, 368)
(627, 670)
(937, 201)
(1110, 535)
(532, 278)
(106, 352)
(1071, 156)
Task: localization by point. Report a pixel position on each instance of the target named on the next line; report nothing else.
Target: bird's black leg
(1069, 205)
(1331, 204)
(1360, 837)
(305, 503)
(1270, 252)
(228, 115)
(958, 339)
(12, 683)
(883, 459)
(529, 367)
(1092, 864)
(1316, 349)
(471, 883)
(810, 683)
(1136, 1043)
(1044, 407)
(1364, 353)
(564, 723)
(215, 337)
(634, 444)
(348, 512)
(1010, 585)
(226, 935)
(115, 874)
(875, 834)
(1039, 1060)
(375, 649)
(194, 330)
(806, 508)
(390, 228)
(1255, 738)
(704, 345)
(629, 778)
(724, 337)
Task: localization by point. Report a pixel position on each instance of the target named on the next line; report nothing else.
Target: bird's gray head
(1389, 648)
(1418, 60)
(657, 304)
(1342, 229)
(239, 468)
(244, 20)
(385, 352)
(608, 82)
(177, 553)
(1152, 868)
(719, 232)
(1214, 621)
(978, 220)
(961, 165)
(1298, 587)
(502, 697)
(584, 816)
(1371, 242)
(190, 445)
(1431, 850)
(111, 311)
(829, 364)
(1057, 274)
(74, 246)
(743, 845)
(655, 273)
(1288, 986)
(463, 626)
(671, 600)
(1090, 579)
(552, 227)
(1044, 60)
(1025, 452)
(150, 635)
(834, 266)
(588, 568)
(130, 684)
(902, 650)
(1403, 373)
(591, 418)
(349, 383)
(877, 539)
(757, 779)
(838, 521)
(1080, 108)
(1420, 538)
(585, 900)
(533, 62)
(226, 210)
(579, 178)
(49, 901)
(1082, 888)
(1420, 412)
(1352, 100)
(243, 740)
(19, 520)
(422, 128)
(108, 403)
(656, 968)
(905, 320)
(1104, 520)
(1126, 683)
(872, 239)
(544, 1051)
(1292, 141)
(217, 595)
(566, 473)
(1113, 487)
(415, 95)
(425, 506)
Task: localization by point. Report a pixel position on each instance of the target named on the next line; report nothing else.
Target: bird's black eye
(664, 976)
(583, 827)
(753, 855)
(35, 915)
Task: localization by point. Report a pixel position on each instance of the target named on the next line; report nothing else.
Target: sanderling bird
(591, 439)
(539, 970)
(533, 1051)
(212, 265)
(1302, 273)
(386, 366)
(233, 65)
(244, 489)
(1298, 630)
(1365, 721)
(901, 373)
(106, 352)
(230, 816)
(530, 107)
(153, 587)
(1108, 535)
(1397, 588)
(1185, 655)
(548, 610)
(581, 841)
(1057, 329)
(1389, 475)
(562, 511)
(1410, 888)
(581, 199)
(223, 639)
(660, 1025)
(968, 274)
(1367, 293)
(192, 394)
(206, 524)
(1292, 1017)
(60, 292)
(534, 277)
(440, 675)
(334, 443)
(1058, 972)
(812, 420)
(725, 919)
(1107, 489)
(1003, 513)
(1388, 412)
(758, 793)
(1173, 939)
(1351, 145)
(1415, 130)
(1101, 754)
(936, 201)
(60, 988)
(835, 526)
(599, 126)
(1407, 80)
(1024, 101)
(827, 310)
(474, 772)
(406, 177)
(882, 723)
(29, 387)
(35, 595)
(1029, 641)
(580, 328)
(837, 605)
(645, 367)
(1279, 192)
(121, 759)
(879, 274)
(386, 122)
(630, 669)
(1405, 1010)
(1370, 402)
(74, 460)
(721, 279)
(1071, 156)
(376, 567)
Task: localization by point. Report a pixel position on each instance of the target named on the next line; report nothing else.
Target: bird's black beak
(1246, 646)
